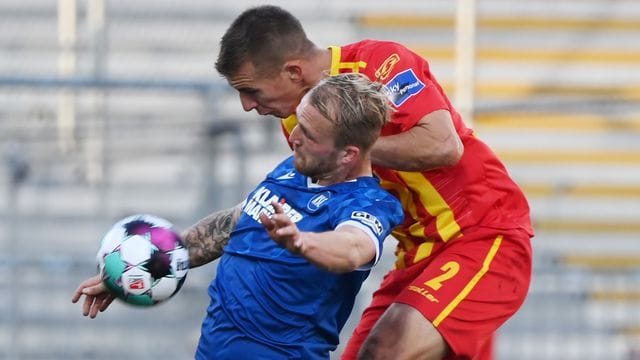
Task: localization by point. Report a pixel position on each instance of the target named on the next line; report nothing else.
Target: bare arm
(206, 239)
(431, 144)
(342, 250)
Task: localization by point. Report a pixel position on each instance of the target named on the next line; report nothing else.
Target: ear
(350, 154)
(293, 69)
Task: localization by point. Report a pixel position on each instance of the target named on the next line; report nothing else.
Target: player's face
(314, 149)
(275, 95)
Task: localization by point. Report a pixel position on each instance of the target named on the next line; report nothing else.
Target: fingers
(92, 284)
(95, 290)
(281, 228)
(277, 207)
(107, 301)
(87, 305)
(97, 296)
(97, 306)
(94, 304)
(286, 229)
(279, 218)
(266, 222)
(76, 295)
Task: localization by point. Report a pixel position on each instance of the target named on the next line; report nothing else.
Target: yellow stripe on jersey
(467, 289)
(403, 194)
(446, 223)
(336, 53)
(336, 65)
(424, 250)
(289, 123)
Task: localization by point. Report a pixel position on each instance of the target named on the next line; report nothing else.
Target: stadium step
(585, 23)
(585, 225)
(601, 261)
(587, 156)
(582, 190)
(557, 121)
(528, 89)
(510, 54)
(629, 296)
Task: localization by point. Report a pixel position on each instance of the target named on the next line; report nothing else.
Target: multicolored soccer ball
(142, 260)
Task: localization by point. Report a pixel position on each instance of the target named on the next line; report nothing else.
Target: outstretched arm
(206, 238)
(342, 250)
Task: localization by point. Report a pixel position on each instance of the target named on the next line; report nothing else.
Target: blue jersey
(269, 303)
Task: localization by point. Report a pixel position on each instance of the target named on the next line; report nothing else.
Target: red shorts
(467, 290)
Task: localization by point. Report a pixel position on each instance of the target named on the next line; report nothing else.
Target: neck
(345, 173)
(320, 64)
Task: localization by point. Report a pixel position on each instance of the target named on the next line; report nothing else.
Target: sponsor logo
(260, 202)
(385, 69)
(424, 292)
(135, 282)
(182, 265)
(287, 176)
(403, 86)
(369, 220)
(318, 200)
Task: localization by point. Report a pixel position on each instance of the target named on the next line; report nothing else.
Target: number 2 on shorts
(450, 270)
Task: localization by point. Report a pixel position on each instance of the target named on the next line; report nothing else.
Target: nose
(248, 103)
(294, 137)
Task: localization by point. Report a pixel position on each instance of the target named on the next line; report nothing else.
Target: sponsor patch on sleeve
(403, 86)
(369, 220)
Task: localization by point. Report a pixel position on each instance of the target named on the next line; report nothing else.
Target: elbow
(351, 265)
(342, 266)
(447, 155)
(358, 258)
(452, 153)
(346, 266)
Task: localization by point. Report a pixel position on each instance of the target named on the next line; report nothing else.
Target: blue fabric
(277, 301)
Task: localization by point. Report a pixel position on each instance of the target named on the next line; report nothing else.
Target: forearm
(393, 152)
(206, 239)
(337, 251)
(430, 144)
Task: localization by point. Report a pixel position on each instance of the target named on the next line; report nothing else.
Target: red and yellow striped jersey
(440, 205)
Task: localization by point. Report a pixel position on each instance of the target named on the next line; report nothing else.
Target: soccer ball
(142, 260)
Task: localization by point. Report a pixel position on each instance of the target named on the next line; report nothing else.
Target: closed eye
(248, 91)
(306, 132)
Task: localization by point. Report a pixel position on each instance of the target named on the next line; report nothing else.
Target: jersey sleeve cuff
(372, 236)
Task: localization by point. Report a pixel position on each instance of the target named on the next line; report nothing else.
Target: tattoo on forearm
(206, 239)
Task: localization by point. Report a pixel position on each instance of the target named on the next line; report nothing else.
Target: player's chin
(271, 112)
(299, 163)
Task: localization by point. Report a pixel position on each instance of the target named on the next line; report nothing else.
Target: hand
(97, 296)
(282, 230)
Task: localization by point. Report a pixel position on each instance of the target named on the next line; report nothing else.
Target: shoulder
(284, 167)
(384, 59)
(376, 45)
(380, 51)
(366, 192)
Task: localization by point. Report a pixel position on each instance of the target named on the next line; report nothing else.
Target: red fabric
(466, 303)
(451, 214)
(478, 191)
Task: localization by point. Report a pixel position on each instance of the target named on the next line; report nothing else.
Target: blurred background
(113, 107)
